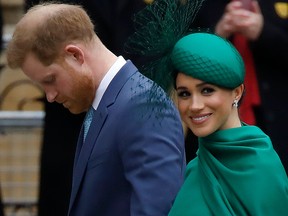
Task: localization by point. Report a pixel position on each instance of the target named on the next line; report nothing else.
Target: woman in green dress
(236, 171)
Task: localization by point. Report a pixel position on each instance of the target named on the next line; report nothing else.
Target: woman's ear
(239, 92)
(75, 52)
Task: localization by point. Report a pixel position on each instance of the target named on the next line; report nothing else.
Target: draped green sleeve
(236, 172)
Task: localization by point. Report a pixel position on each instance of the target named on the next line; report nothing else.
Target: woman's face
(206, 108)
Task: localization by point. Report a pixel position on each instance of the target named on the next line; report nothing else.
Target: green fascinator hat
(210, 58)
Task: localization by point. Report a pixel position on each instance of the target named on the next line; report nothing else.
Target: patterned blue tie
(87, 122)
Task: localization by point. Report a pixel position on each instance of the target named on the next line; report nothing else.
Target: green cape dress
(236, 172)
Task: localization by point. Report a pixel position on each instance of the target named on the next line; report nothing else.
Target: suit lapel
(84, 149)
(83, 156)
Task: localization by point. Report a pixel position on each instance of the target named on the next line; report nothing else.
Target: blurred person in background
(270, 52)
(113, 19)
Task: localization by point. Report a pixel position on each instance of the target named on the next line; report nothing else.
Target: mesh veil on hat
(157, 28)
(210, 58)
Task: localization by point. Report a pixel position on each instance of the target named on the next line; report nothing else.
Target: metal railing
(20, 141)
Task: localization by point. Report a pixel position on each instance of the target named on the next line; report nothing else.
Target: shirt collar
(107, 79)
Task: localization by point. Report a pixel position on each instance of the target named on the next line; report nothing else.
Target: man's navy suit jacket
(132, 161)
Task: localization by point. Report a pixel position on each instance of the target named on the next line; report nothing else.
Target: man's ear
(75, 52)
